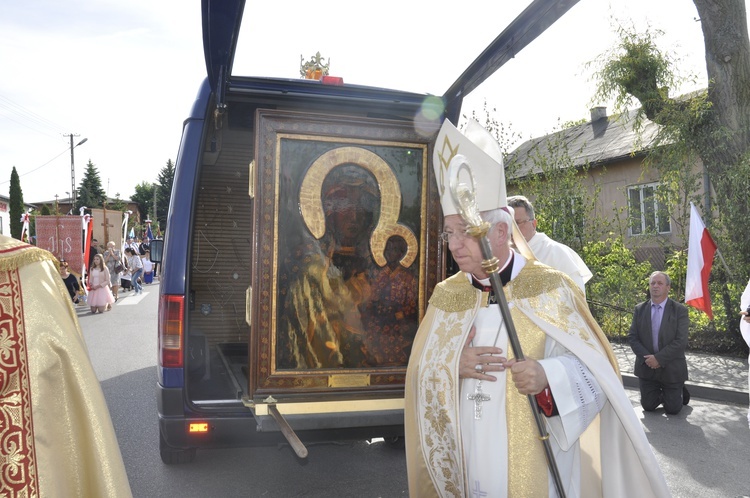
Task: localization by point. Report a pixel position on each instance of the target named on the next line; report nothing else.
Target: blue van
(301, 248)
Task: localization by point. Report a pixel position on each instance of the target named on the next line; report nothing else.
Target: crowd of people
(111, 272)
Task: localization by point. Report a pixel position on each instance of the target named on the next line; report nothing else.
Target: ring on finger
(479, 368)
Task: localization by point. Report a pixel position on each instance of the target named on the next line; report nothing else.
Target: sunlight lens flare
(428, 119)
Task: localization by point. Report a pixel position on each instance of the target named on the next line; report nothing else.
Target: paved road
(704, 451)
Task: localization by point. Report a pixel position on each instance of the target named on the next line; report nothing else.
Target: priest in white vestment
(56, 436)
(469, 426)
(548, 251)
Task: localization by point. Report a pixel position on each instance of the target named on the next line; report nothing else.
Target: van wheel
(171, 456)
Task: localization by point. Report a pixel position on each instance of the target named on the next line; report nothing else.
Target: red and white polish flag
(700, 258)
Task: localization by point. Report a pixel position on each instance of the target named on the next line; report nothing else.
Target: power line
(38, 167)
(27, 126)
(19, 114)
(29, 116)
(23, 111)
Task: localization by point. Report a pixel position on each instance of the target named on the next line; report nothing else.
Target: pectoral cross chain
(478, 397)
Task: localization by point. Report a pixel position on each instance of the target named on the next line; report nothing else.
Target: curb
(702, 391)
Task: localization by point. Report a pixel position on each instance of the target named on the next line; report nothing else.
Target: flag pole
(718, 253)
(464, 198)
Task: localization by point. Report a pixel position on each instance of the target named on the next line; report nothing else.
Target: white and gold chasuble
(451, 454)
(56, 437)
(505, 417)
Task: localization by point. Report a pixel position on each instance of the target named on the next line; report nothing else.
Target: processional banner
(107, 226)
(63, 237)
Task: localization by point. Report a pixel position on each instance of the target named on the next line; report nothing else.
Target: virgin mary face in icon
(350, 203)
(356, 190)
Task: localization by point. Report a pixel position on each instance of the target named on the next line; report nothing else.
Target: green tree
(144, 197)
(164, 194)
(713, 125)
(118, 204)
(618, 284)
(32, 221)
(504, 134)
(726, 127)
(90, 192)
(16, 208)
(636, 71)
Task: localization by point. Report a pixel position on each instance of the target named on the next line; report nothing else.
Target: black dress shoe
(685, 396)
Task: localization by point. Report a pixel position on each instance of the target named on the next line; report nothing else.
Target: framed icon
(346, 217)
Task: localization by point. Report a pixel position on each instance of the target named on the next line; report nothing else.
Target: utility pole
(73, 170)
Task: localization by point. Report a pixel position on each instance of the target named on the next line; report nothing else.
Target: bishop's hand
(528, 376)
(476, 362)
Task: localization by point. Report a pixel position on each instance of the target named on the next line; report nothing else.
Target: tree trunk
(724, 24)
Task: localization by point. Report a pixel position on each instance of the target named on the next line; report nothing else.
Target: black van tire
(171, 456)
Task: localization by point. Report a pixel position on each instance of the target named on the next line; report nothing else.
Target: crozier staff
(461, 404)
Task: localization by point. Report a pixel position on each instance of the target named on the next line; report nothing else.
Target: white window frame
(648, 211)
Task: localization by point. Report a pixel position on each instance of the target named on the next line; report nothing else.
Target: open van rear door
(532, 22)
(222, 19)
(221, 28)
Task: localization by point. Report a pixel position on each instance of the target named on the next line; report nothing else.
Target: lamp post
(73, 170)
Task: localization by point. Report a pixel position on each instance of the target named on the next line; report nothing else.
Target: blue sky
(124, 74)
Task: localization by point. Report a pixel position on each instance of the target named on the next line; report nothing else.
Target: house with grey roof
(609, 154)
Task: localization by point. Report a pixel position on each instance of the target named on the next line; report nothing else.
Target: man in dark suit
(658, 337)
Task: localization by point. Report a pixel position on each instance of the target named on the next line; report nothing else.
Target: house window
(647, 215)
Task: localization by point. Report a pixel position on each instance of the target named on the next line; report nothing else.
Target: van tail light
(171, 330)
(197, 427)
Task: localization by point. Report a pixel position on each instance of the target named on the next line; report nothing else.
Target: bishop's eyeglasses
(459, 235)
